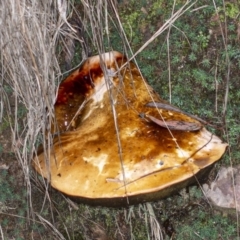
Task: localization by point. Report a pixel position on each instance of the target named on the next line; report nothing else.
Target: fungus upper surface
(114, 143)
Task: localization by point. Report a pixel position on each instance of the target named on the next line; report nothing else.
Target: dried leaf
(176, 125)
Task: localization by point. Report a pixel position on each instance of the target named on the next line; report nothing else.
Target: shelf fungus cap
(119, 142)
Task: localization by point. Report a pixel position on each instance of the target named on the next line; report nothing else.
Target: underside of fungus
(118, 142)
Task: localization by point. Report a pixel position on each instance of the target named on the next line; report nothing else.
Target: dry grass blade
(56, 233)
(1, 231)
(30, 68)
(165, 26)
(155, 226)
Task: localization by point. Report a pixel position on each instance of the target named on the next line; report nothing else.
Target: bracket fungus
(119, 142)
